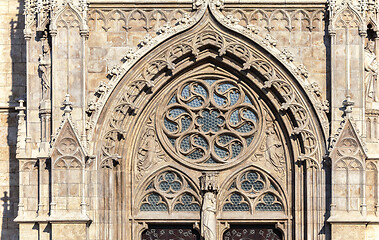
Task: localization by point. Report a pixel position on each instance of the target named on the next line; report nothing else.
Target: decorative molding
(271, 83)
(348, 130)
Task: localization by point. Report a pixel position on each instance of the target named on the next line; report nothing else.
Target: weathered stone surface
(96, 151)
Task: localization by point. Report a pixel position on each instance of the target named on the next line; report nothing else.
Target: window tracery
(252, 191)
(170, 191)
(210, 120)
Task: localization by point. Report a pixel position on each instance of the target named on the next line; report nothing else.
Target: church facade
(195, 119)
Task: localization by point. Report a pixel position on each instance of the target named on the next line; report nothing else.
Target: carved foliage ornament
(209, 120)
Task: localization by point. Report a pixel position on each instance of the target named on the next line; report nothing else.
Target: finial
(348, 104)
(67, 106)
(21, 106)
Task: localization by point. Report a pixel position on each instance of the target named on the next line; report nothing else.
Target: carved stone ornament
(208, 118)
(168, 192)
(179, 28)
(251, 191)
(209, 122)
(150, 152)
(67, 149)
(371, 72)
(347, 142)
(270, 154)
(209, 181)
(274, 151)
(185, 112)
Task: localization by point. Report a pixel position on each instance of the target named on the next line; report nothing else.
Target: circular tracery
(209, 121)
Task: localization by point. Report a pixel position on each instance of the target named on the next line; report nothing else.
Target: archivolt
(210, 42)
(137, 86)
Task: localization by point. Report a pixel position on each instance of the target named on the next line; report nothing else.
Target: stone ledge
(353, 220)
(226, 1)
(53, 219)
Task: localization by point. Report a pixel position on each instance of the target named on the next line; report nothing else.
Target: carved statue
(44, 68)
(208, 217)
(371, 68)
(274, 150)
(149, 152)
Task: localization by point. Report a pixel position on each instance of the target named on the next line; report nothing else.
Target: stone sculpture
(208, 217)
(371, 71)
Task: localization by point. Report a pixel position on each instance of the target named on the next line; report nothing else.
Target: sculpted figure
(274, 150)
(208, 217)
(44, 68)
(149, 151)
(371, 68)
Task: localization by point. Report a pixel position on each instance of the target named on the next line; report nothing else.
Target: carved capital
(209, 181)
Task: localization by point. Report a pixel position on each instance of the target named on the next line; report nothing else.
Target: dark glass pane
(168, 232)
(252, 232)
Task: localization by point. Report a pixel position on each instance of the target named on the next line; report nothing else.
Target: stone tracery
(210, 120)
(251, 191)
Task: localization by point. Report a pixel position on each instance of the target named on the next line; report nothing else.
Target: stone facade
(200, 119)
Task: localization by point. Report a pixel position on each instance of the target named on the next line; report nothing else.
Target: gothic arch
(209, 45)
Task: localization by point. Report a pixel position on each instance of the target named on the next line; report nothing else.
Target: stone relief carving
(301, 119)
(44, 68)
(150, 152)
(271, 150)
(68, 13)
(208, 217)
(133, 21)
(274, 151)
(348, 156)
(371, 72)
(267, 20)
(209, 181)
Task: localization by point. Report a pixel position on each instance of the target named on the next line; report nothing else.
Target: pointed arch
(208, 47)
(347, 17)
(70, 7)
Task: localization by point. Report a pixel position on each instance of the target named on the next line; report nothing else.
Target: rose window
(210, 121)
